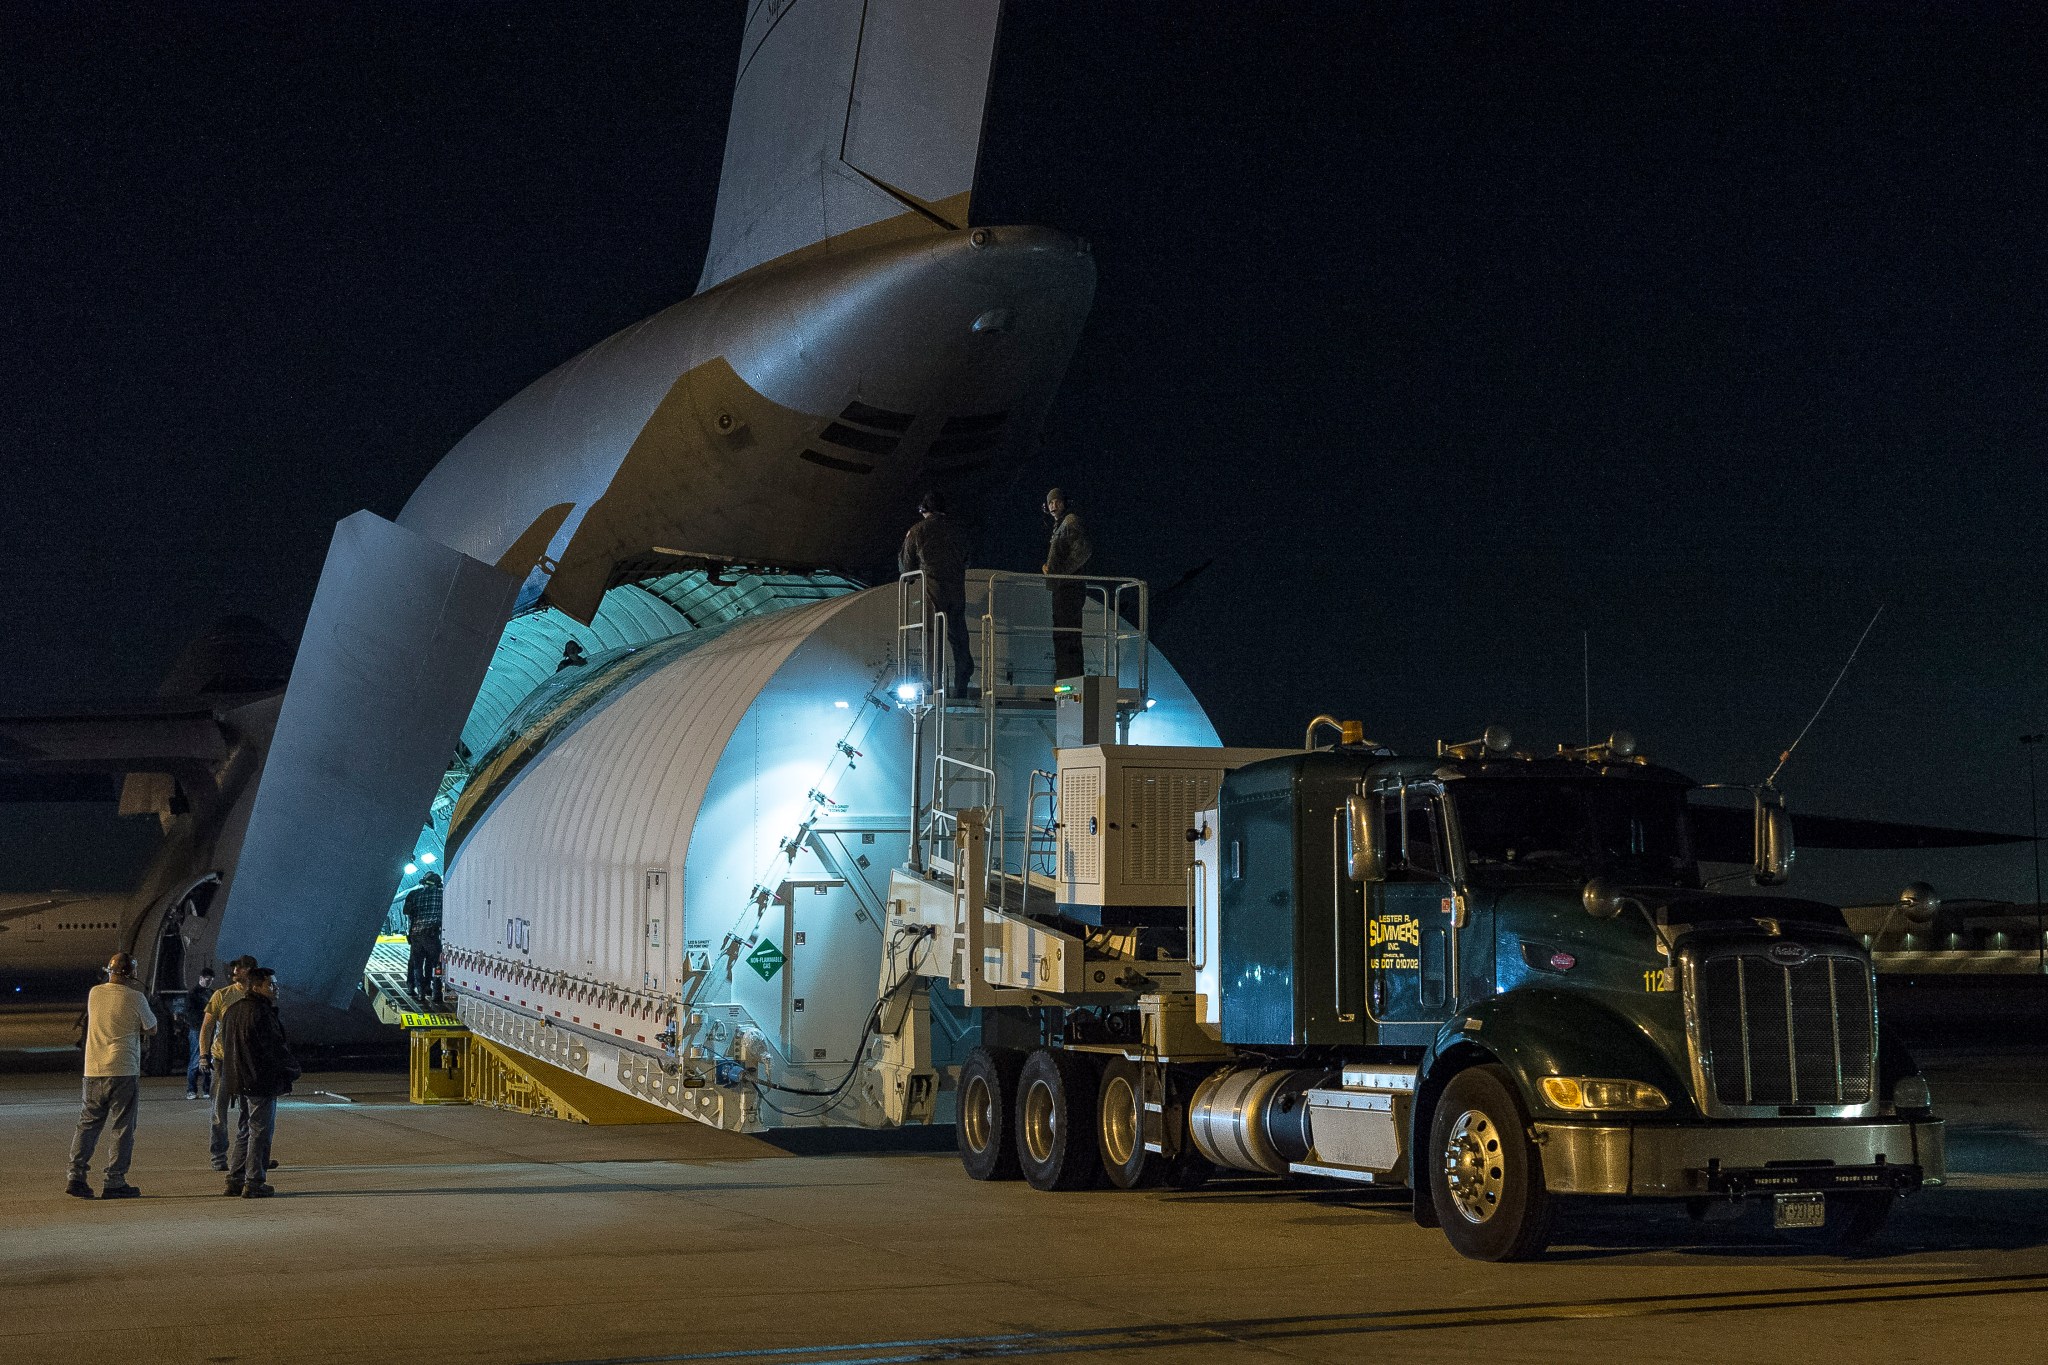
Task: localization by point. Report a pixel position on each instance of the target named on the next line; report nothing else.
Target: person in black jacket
(936, 548)
(256, 1067)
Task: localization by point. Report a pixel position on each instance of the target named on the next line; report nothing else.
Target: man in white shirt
(117, 1018)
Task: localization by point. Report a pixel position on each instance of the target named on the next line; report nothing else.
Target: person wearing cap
(935, 548)
(117, 1019)
(256, 1067)
(423, 936)
(1067, 553)
(209, 1043)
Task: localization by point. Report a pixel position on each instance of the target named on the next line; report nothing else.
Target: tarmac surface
(451, 1234)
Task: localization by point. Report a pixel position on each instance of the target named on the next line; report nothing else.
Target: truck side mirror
(1361, 847)
(1774, 850)
(1603, 899)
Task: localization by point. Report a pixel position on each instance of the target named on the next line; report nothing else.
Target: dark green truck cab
(1518, 961)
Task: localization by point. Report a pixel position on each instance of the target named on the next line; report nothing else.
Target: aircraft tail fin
(850, 117)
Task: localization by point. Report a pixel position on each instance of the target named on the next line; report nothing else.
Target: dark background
(1472, 347)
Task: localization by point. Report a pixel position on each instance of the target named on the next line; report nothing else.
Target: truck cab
(1534, 937)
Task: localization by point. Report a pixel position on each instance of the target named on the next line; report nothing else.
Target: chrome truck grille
(1775, 1024)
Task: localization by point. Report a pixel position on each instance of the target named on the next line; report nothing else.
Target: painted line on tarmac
(1247, 1331)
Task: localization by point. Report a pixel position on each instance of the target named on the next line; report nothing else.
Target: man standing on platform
(256, 1067)
(936, 548)
(423, 934)
(1068, 553)
(117, 1018)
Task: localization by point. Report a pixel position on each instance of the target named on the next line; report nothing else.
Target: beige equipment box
(1124, 815)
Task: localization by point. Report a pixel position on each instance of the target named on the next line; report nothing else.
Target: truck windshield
(1563, 830)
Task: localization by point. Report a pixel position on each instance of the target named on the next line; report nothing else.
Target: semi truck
(1497, 979)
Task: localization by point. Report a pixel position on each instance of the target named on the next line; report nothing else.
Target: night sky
(1702, 330)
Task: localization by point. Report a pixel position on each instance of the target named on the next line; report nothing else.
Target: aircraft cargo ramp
(384, 982)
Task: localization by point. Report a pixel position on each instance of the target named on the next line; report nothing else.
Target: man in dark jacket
(423, 936)
(256, 1067)
(198, 1075)
(936, 548)
(1066, 554)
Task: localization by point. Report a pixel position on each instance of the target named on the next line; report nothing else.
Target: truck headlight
(1590, 1092)
(1912, 1096)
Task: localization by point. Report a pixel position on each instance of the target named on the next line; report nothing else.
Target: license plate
(1799, 1210)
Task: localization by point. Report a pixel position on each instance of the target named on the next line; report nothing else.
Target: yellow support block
(453, 1066)
(438, 1065)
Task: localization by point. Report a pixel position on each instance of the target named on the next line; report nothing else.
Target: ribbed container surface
(1787, 1035)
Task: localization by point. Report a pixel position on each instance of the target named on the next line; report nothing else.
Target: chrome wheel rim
(1041, 1122)
(978, 1114)
(1473, 1166)
(1119, 1121)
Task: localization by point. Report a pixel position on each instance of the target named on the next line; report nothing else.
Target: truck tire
(988, 1099)
(1484, 1177)
(1056, 1121)
(1120, 1127)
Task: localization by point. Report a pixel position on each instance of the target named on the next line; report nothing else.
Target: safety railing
(1025, 626)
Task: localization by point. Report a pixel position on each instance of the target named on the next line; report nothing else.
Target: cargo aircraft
(855, 337)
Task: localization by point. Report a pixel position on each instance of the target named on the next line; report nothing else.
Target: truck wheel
(1484, 1178)
(988, 1097)
(1056, 1121)
(1120, 1127)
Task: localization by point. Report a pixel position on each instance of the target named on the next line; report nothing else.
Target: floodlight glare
(906, 691)
(411, 868)
(427, 858)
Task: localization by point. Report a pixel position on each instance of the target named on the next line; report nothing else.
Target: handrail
(1115, 627)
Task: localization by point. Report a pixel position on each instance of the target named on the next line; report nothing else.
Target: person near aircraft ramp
(423, 936)
(117, 1018)
(198, 1066)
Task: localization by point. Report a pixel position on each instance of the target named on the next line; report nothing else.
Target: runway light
(427, 858)
(411, 868)
(839, 705)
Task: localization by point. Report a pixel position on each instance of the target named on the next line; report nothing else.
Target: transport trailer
(1494, 978)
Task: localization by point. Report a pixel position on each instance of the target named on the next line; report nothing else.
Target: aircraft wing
(70, 755)
(1725, 834)
(850, 116)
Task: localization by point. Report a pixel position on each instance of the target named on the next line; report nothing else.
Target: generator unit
(1124, 815)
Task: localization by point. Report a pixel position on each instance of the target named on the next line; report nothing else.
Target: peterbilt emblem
(1788, 954)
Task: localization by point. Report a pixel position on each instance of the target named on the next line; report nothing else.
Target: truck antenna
(1586, 663)
(1786, 757)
